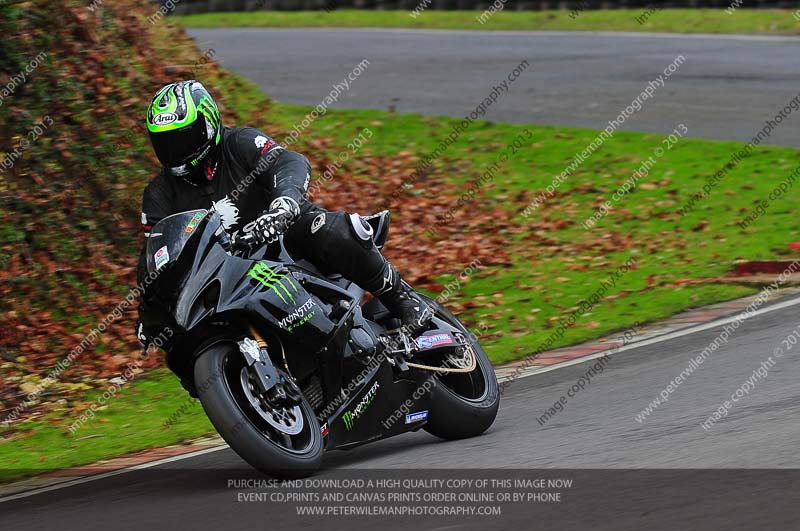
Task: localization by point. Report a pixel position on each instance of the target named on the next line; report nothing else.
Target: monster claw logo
(347, 417)
(350, 417)
(274, 280)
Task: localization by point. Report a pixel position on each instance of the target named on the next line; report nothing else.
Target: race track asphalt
(726, 88)
(596, 430)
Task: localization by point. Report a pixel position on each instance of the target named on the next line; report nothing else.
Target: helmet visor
(180, 147)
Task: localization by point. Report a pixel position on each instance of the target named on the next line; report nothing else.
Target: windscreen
(169, 236)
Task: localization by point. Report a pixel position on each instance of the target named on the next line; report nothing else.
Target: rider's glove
(147, 337)
(282, 213)
(144, 337)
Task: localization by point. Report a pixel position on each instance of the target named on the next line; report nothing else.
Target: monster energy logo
(349, 417)
(208, 108)
(274, 280)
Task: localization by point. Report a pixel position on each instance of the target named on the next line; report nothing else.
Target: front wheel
(463, 405)
(282, 441)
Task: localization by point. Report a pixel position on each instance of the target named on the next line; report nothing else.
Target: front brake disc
(288, 420)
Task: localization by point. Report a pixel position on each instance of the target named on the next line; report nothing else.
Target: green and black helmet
(184, 125)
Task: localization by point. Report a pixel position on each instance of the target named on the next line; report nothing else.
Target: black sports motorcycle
(288, 362)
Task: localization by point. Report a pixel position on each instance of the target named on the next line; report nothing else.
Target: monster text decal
(350, 417)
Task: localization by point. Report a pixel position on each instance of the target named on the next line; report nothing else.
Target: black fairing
(210, 282)
(170, 239)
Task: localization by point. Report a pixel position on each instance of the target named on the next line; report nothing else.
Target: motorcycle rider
(257, 185)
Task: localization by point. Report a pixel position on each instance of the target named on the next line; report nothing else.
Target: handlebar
(243, 242)
(247, 240)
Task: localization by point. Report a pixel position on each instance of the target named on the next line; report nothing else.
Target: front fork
(268, 381)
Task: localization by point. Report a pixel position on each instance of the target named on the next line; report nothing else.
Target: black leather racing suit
(247, 172)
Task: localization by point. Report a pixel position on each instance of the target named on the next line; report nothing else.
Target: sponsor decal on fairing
(416, 417)
(350, 417)
(161, 257)
(434, 341)
(298, 317)
(193, 222)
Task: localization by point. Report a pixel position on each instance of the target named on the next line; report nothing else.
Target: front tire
(463, 405)
(279, 453)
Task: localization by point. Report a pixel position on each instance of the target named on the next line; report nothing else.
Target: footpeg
(400, 365)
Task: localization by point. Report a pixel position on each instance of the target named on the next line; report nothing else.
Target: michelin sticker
(416, 417)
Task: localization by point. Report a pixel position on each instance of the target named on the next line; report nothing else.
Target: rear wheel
(283, 441)
(463, 404)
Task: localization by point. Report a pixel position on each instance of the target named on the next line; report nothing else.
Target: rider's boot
(400, 299)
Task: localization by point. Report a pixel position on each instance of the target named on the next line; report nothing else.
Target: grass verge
(551, 263)
(134, 420)
(770, 21)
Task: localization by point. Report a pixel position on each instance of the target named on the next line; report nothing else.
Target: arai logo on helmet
(165, 118)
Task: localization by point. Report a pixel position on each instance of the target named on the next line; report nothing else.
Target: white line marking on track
(658, 339)
(534, 33)
(87, 479)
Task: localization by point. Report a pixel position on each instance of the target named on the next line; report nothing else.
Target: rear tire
(463, 405)
(221, 393)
